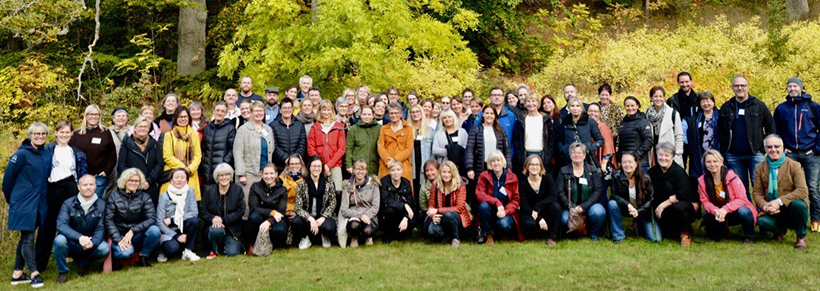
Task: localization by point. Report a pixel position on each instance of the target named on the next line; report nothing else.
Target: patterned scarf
(185, 150)
(656, 116)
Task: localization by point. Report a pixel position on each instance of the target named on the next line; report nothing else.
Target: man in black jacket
(289, 135)
(743, 122)
(217, 143)
(685, 101)
(81, 230)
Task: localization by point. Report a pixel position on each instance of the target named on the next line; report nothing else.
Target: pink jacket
(737, 195)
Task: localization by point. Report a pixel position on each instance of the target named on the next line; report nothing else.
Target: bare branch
(90, 51)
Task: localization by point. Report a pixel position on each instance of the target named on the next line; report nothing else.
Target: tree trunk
(314, 9)
(191, 43)
(797, 9)
(646, 12)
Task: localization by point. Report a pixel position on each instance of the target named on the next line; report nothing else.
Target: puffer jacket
(73, 222)
(797, 123)
(620, 193)
(150, 162)
(585, 131)
(290, 139)
(474, 157)
(331, 146)
(264, 200)
(362, 143)
(128, 211)
(635, 135)
(217, 148)
(759, 123)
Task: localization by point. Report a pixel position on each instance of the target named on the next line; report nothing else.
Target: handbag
(263, 245)
(577, 221)
(455, 152)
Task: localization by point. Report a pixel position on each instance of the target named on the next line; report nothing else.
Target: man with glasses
(780, 193)
(742, 123)
(798, 122)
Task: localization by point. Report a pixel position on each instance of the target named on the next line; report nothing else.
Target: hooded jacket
(331, 146)
(798, 121)
(362, 143)
(24, 186)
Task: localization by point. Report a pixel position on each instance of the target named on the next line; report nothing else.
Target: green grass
(572, 264)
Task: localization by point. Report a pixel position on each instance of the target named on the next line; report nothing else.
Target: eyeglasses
(92, 114)
(740, 86)
(773, 146)
(39, 134)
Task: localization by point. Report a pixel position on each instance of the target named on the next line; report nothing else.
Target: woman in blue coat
(24, 187)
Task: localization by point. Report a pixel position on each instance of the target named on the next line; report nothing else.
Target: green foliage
(380, 43)
(34, 91)
(40, 21)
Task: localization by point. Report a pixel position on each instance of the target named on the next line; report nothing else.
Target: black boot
(143, 262)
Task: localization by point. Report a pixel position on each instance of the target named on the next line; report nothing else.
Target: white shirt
(533, 136)
(490, 142)
(62, 163)
(633, 197)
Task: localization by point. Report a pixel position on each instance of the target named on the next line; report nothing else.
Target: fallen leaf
(318, 279)
(238, 279)
(561, 276)
(638, 266)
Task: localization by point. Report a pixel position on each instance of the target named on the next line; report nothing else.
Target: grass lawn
(575, 264)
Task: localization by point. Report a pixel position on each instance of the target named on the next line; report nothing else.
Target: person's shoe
(617, 241)
(23, 279)
(800, 244)
(37, 281)
(82, 271)
(161, 258)
(490, 241)
(325, 241)
(455, 243)
(304, 243)
(354, 242)
(685, 239)
(748, 241)
(815, 226)
(143, 262)
(368, 242)
(116, 265)
(480, 237)
(779, 236)
(594, 238)
(62, 278)
(550, 242)
(250, 250)
(189, 255)
(211, 256)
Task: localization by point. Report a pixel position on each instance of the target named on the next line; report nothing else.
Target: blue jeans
(145, 240)
(596, 218)
(64, 248)
(102, 182)
(25, 252)
(219, 236)
(449, 226)
(811, 166)
(488, 218)
(646, 225)
(744, 168)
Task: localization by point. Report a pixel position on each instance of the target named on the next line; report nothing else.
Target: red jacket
(484, 193)
(737, 195)
(331, 147)
(458, 200)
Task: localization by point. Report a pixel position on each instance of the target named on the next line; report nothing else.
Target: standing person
(549, 107)
(685, 101)
(358, 214)
(450, 142)
(362, 142)
(570, 91)
(743, 121)
(362, 94)
(252, 148)
(223, 205)
(396, 143)
(701, 133)
(635, 133)
(675, 202)
(603, 155)
(170, 103)
(181, 150)
(423, 134)
(611, 113)
(315, 97)
(230, 98)
(484, 139)
(540, 210)
(147, 111)
(67, 165)
(144, 153)
(271, 104)
(198, 118)
(666, 123)
(393, 97)
(306, 115)
(724, 199)
(514, 104)
(305, 83)
(798, 122)
(130, 219)
(413, 99)
(245, 114)
(497, 193)
(268, 203)
(462, 112)
(315, 207)
(246, 92)
(327, 139)
(445, 103)
(119, 126)
(578, 127)
(178, 219)
(553, 118)
(475, 105)
(343, 113)
(217, 143)
(94, 140)
(632, 195)
(580, 189)
(505, 119)
(397, 209)
(467, 94)
(289, 134)
(82, 234)
(780, 193)
(25, 189)
(447, 212)
(537, 130)
(291, 92)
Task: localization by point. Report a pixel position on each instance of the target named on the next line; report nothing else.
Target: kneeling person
(81, 231)
(178, 218)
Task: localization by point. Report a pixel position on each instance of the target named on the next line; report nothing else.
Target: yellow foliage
(34, 91)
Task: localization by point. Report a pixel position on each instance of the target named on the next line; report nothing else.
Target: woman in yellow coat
(180, 149)
(396, 142)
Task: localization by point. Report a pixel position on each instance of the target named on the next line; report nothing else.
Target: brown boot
(490, 239)
(800, 244)
(685, 239)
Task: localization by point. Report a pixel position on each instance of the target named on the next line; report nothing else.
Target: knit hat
(120, 108)
(795, 80)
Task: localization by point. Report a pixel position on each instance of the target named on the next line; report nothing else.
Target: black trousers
(552, 215)
(390, 218)
(360, 230)
(278, 231)
(677, 218)
(301, 228)
(58, 192)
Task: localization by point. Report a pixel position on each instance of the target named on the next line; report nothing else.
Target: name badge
(418, 137)
(741, 112)
(96, 140)
(722, 195)
(503, 191)
(582, 181)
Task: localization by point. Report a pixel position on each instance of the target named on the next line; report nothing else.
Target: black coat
(566, 180)
(531, 201)
(759, 123)
(150, 162)
(394, 197)
(217, 148)
(620, 193)
(231, 211)
(674, 182)
(686, 104)
(635, 135)
(474, 156)
(585, 131)
(264, 199)
(128, 211)
(289, 139)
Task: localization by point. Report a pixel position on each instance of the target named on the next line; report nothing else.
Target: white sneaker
(189, 255)
(304, 243)
(369, 242)
(162, 258)
(325, 242)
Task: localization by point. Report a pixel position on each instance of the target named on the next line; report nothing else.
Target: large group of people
(264, 172)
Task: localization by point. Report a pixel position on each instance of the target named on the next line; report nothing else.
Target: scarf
(315, 193)
(655, 116)
(306, 118)
(185, 151)
(296, 176)
(86, 204)
(178, 196)
(773, 166)
(141, 143)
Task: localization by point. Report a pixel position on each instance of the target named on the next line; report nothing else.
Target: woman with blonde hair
(101, 152)
(422, 142)
(447, 211)
(327, 139)
(358, 214)
(398, 208)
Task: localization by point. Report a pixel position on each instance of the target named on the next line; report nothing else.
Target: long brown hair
(496, 126)
(638, 176)
(709, 179)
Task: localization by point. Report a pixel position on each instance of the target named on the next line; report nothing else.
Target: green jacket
(362, 141)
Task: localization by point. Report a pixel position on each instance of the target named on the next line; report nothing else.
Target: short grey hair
(305, 78)
(127, 174)
(340, 100)
(576, 144)
(36, 125)
(394, 105)
(141, 119)
(772, 135)
(223, 168)
(170, 95)
(665, 147)
(496, 154)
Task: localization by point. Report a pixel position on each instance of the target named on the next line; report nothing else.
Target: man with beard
(271, 104)
(246, 86)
